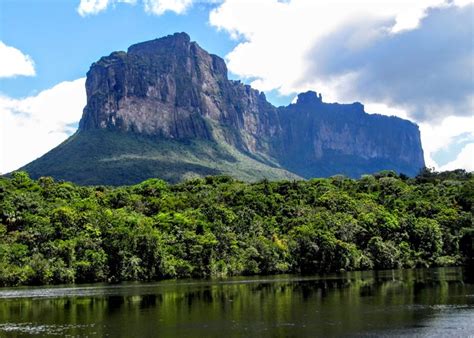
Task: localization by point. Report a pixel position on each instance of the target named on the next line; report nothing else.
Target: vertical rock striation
(171, 87)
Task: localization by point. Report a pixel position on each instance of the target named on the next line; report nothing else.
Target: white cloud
(157, 7)
(14, 62)
(32, 126)
(439, 136)
(428, 70)
(279, 38)
(464, 160)
(278, 35)
(88, 7)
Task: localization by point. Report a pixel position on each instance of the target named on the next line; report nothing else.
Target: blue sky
(398, 57)
(63, 44)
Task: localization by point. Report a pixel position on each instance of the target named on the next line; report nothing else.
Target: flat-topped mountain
(321, 139)
(165, 108)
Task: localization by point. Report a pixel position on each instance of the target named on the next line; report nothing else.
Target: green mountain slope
(116, 158)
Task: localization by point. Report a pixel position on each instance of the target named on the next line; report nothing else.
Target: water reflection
(433, 302)
(148, 301)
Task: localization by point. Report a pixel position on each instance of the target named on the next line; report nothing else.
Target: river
(421, 302)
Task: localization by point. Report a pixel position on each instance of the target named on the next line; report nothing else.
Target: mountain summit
(165, 108)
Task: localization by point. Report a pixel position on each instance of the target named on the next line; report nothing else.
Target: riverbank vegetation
(57, 232)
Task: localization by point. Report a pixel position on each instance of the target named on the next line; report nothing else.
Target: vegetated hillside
(173, 112)
(108, 157)
(58, 232)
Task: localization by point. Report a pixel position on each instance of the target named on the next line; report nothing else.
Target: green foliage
(57, 232)
(384, 254)
(467, 245)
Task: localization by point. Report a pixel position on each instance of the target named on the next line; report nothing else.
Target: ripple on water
(44, 329)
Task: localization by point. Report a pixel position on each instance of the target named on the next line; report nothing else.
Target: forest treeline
(56, 232)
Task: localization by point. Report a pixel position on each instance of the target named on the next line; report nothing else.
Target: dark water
(428, 302)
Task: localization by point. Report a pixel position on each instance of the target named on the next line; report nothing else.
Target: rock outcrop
(172, 90)
(320, 139)
(171, 87)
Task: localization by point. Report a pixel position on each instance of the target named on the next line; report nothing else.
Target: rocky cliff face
(320, 138)
(172, 90)
(171, 87)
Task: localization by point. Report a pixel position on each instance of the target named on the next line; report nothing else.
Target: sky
(412, 59)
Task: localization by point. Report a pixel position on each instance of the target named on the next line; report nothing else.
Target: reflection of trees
(333, 304)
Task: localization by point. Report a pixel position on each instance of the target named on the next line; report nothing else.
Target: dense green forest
(57, 232)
